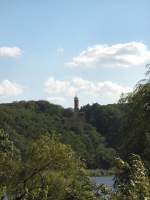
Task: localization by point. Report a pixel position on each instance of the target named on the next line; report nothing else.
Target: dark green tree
(9, 163)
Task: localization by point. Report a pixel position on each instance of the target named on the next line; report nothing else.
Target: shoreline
(99, 172)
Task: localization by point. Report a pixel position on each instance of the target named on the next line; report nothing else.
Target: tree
(51, 170)
(131, 180)
(136, 131)
(9, 163)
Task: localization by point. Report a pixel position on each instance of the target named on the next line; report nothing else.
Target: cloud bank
(80, 86)
(10, 89)
(10, 51)
(117, 55)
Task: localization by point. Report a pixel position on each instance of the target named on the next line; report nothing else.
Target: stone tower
(76, 103)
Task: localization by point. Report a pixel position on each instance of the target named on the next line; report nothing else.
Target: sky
(55, 49)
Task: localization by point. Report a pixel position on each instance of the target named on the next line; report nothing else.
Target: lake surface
(107, 180)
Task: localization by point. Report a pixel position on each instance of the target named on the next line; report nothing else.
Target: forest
(45, 149)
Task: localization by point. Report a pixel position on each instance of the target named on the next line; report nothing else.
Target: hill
(25, 121)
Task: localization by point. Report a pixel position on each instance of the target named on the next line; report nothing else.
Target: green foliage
(25, 121)
(9, 162)
(50, 170)
(126, 125)
(37, 166)
(131, 181)
(136, 131)
(108, 120)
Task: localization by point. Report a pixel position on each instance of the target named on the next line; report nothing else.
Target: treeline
(26, 121)
(108, 120)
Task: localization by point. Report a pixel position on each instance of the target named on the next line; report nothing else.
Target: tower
(76, 103)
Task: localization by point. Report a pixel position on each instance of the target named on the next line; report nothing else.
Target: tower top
(76, 103)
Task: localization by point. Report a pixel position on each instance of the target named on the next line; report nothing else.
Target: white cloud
(78, 85)
(60, 50)
(9, 89)
(117, 55)
(55, 86)
(56, 100)
(10, 51)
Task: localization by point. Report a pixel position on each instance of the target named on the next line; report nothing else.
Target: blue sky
(55, 49)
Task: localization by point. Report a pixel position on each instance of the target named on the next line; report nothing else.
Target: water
(107, 180)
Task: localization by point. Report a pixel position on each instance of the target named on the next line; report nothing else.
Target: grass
(100, 172)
